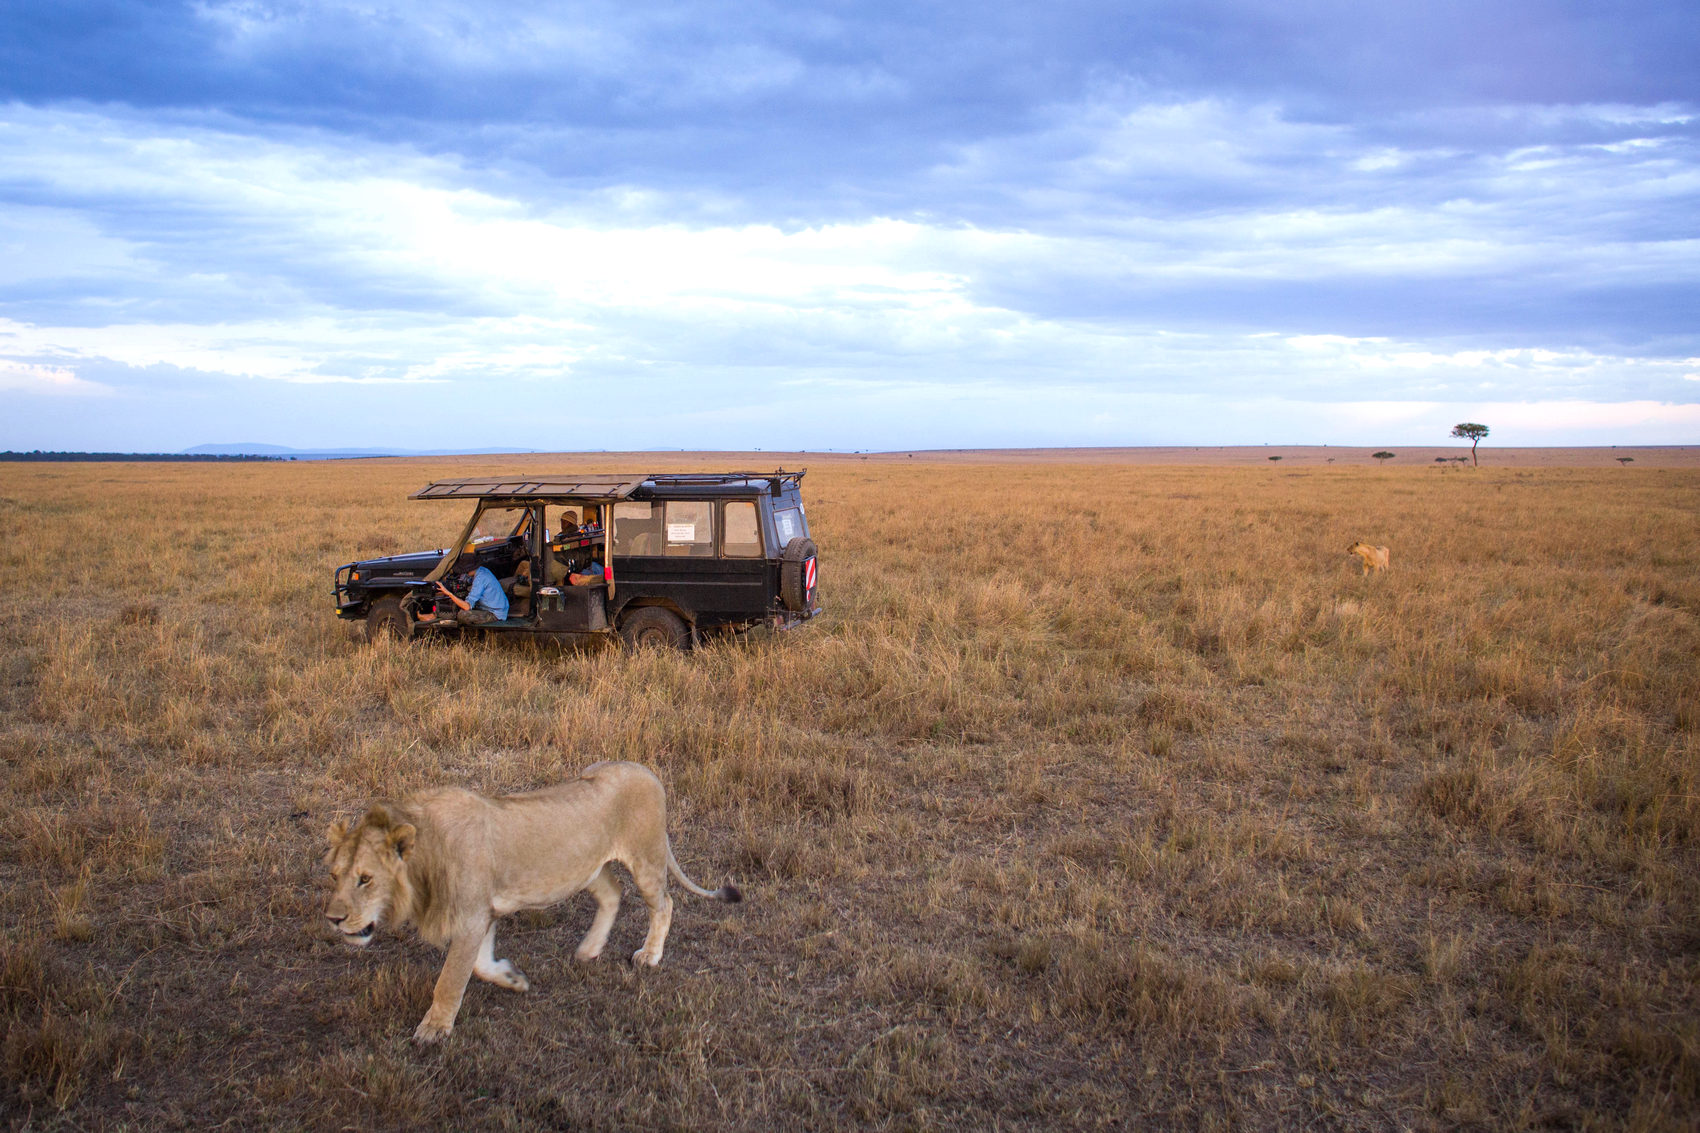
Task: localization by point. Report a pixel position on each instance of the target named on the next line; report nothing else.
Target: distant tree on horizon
(1473, 433)
(1383, 455)
(1274, 458)
(1625, 459)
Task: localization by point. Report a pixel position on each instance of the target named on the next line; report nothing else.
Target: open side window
(637, 528)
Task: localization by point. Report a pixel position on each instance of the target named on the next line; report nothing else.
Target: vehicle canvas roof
(595, 487)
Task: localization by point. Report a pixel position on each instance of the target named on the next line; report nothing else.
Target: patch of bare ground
(1105, 795)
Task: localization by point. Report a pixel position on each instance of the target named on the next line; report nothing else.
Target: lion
(1375, 558)
(452, 862)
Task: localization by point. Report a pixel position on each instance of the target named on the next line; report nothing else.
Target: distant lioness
(1375, 558)
(452, 861)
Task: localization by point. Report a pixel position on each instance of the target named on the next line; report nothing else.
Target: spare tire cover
(797, 574)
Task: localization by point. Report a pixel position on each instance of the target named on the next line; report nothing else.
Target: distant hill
(38, 455)
(283, 452)
(243, 450)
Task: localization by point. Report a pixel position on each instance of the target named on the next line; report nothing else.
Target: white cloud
(1366, 417)
(26, 377)
(311, 261)
(1593, 416)
(306, 352)
(324, 215)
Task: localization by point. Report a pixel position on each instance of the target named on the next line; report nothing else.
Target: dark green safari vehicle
(655, 559)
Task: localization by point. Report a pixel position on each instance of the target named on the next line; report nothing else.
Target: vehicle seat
(632, 540)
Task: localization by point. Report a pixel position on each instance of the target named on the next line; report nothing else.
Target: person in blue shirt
(484, 603)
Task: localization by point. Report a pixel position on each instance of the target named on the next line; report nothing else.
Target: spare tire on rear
(797, 574)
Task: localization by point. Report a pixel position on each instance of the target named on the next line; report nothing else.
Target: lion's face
(368, 865)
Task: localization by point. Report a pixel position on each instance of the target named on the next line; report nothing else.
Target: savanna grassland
(1103, 796)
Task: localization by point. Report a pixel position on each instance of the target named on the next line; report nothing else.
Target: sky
(870, 226)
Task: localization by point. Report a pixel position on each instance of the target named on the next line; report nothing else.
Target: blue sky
(853, 226)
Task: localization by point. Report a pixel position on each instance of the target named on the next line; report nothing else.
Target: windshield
(496, 524)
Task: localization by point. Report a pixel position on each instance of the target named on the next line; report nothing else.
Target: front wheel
(387, 619)
(654, 627)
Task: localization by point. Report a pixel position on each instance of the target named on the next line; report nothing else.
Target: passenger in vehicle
(553, 567)
(484, 603)
(557, 558)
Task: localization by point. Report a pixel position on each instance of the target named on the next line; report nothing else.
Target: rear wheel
(654, 627)
(387, 619)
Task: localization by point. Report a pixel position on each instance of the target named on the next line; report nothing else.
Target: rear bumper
(782, 620)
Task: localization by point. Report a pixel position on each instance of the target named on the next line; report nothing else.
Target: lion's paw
(430, 1031)
(503, 974)
(642, 959)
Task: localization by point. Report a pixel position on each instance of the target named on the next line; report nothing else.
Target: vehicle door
(563, 548)
(679, 550)
(741, 585)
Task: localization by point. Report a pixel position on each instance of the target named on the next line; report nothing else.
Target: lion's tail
(727, 893)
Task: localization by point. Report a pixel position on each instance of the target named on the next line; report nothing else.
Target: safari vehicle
(692, 555)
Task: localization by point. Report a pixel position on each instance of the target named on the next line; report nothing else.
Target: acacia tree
(1382, 455)
(1473, 433)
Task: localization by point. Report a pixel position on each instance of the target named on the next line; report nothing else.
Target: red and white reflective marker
(808, 576)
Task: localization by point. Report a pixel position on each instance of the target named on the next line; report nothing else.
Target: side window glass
(789, 526)
(637, 529)
(690, 528)
(742, 538)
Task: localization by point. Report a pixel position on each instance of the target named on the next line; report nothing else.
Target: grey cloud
(815, 90)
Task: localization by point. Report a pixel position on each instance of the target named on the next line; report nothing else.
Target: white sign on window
(681, 533)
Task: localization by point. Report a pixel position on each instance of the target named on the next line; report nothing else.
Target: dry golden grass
(1061, 818)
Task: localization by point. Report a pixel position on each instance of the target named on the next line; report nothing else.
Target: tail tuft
(729, 894)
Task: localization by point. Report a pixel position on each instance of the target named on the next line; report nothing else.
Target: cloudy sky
(691, 223)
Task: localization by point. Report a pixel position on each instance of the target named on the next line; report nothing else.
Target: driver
(485, 602)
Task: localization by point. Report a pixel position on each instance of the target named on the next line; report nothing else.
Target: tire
(654, 627)
(797, 574)
(386, 619)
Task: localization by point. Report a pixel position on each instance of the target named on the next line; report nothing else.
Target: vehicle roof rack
(592, 486)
